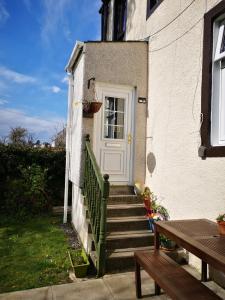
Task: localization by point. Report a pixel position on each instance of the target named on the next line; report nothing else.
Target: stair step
(123, 259)
(127, 223)
(121, 234)
(124, 199)
(120, 210)
(141, 238)
(121, 190)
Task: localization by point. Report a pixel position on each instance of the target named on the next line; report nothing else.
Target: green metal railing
(96, 192)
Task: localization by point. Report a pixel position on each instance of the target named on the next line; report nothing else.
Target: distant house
(60, 139)
(159, 73)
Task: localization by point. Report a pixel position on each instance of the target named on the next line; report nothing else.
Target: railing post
(102, 236)
(87, 137)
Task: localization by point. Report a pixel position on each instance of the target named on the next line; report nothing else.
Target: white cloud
(41, 127)
(15, 76)
(3, 101)
(54, 18)
(4, 15)
(55, 89)
(65, 79)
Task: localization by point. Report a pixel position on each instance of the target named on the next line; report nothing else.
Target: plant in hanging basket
(86, 106)
(221, 223)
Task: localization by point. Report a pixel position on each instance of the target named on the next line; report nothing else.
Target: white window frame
(218, 86)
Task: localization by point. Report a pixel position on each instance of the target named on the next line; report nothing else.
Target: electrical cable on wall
(159, 30)
(170, 43)
(165, 26)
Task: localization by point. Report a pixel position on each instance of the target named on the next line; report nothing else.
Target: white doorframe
(102, 89)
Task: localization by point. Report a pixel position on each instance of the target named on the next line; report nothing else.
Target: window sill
(218, 151)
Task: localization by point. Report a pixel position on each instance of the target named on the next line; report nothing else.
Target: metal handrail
(96, 193)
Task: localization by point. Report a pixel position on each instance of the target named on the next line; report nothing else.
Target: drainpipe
(68, 139)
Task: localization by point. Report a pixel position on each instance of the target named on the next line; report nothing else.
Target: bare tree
(18, 136)
(3, 140)
(59, 138)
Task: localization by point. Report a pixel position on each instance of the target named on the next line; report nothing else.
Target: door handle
(129, 139)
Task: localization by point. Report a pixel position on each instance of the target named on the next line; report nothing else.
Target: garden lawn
(33, 254)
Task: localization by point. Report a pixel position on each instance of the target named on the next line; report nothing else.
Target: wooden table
(199, 236)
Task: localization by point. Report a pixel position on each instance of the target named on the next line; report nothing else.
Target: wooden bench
(169, 276)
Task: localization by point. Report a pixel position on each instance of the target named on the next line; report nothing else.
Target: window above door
(120, 20)
(104, 11)
(151, 6)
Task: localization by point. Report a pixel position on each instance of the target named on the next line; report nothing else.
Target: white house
(159, 70)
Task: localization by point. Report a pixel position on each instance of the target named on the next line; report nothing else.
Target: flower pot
(221, 227)
(167, 245)
(79, 262)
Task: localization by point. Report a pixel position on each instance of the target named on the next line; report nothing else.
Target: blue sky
(36, 40)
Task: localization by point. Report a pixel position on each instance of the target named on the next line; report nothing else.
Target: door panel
(113, 129)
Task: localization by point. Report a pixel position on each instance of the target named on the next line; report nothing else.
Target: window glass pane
(222, 106)
(113, 132)
(222, 47)
(109, 103)
(152, 3)
(114, 118)
(109, 117)
(119, 104)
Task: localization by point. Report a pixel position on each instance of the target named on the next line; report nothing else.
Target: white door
(113, 133)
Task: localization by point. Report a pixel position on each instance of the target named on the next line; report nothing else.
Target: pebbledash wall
(187, 185)
(112, 64)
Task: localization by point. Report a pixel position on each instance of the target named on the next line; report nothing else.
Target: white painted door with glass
(113, 133)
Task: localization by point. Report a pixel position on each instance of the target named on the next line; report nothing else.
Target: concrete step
(121, 190)
(125, 210)
(122, 259)
(124, 199)
(127, 224)
(128, 239)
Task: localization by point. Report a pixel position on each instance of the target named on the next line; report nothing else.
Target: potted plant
(154, 212)
(221, 223)
(79, 262)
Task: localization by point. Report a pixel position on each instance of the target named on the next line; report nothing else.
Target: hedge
(46, 165)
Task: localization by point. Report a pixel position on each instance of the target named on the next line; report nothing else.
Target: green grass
(33, 254)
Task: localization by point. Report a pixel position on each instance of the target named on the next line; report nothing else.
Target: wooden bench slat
(172, 278)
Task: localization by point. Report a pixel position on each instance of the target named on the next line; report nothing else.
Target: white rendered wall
(188, 186)
(78, 208)
(79, 216)
(76, 122)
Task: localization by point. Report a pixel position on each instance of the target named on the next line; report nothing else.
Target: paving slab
(93, 289)
(110, 287)
(44, 293)
(122, 286)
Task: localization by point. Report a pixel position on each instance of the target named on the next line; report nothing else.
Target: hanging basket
(95, 107)
(91, 107)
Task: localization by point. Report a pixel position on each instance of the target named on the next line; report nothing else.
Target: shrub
(27, 194)
(30, 179)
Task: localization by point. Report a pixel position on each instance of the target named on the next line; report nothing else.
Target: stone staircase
(127, 229)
